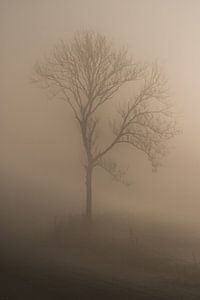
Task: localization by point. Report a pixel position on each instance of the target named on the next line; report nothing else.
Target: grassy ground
(111, 259)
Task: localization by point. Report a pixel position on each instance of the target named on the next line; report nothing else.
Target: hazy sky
(36, 134)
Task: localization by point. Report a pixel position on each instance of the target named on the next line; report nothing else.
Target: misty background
(40, 161)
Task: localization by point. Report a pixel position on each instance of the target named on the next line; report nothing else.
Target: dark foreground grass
(102, 261)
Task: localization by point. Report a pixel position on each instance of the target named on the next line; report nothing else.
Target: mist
(42, 176)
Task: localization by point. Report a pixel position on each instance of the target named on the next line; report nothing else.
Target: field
(111, 259)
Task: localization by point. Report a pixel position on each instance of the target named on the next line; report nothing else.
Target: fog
(41, 173)
(38, 138)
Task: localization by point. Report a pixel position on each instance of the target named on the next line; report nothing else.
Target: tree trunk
(89, 193)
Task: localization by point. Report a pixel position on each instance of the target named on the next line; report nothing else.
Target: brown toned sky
(36, 133)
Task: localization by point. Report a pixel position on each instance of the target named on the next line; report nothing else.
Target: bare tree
(87, 73)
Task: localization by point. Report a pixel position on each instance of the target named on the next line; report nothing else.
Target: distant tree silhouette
(87, 73)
